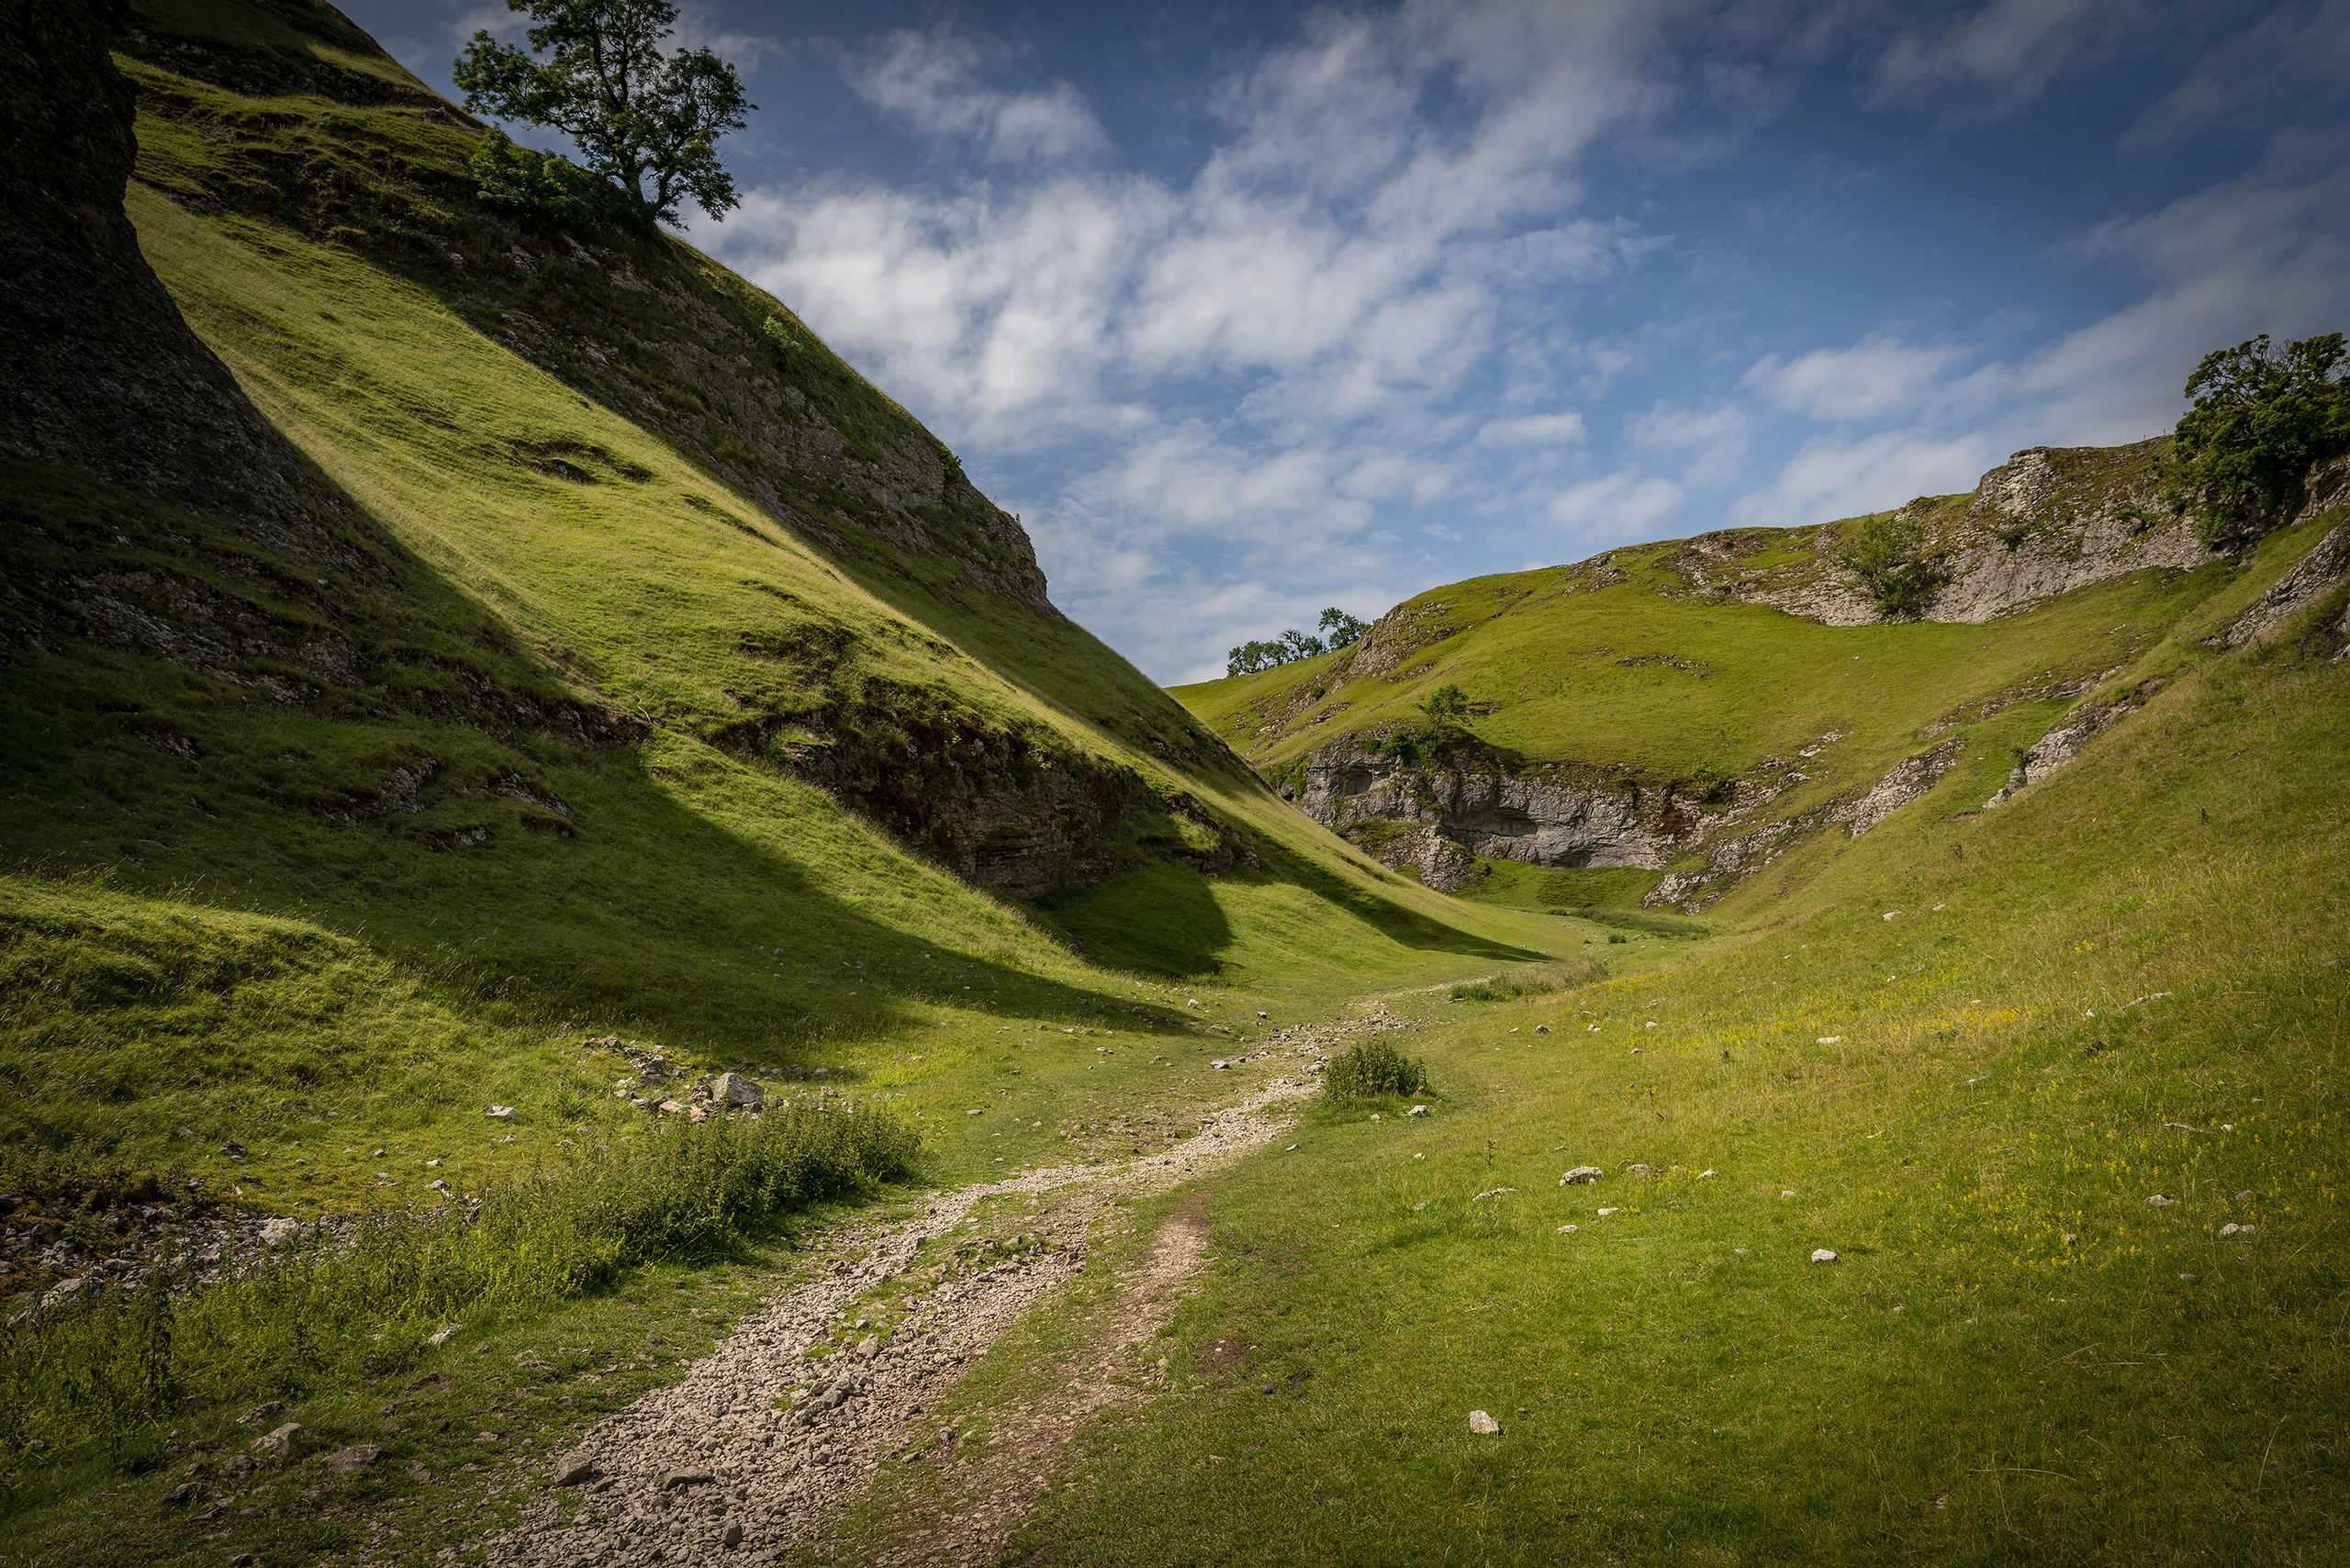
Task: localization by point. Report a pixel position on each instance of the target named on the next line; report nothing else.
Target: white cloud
(1532, 429)
(1833, 476)
(1716, 439)
(1877, 377)
(2007, 52)
(932, 81)
(2295, 54)
(1615, 509)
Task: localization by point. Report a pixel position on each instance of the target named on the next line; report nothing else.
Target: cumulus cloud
(934, 81)
(1619, 506)
(1345, 342)
(1877, 377)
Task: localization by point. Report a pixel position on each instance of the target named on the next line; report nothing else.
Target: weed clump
(1533, 980)
(105, 1380)
(1375, 1071)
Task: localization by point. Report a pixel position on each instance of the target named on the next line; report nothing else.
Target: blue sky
(1251, 309)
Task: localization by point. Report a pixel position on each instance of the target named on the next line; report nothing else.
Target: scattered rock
(1418, 1111)
(1823, 1256)
(352, 1460)
(415, 1470)
(1564, 1230)
(261, 1412)
(279, 1441)
(1494, 1192)
(573, 1470)
(672, 1108)
(442, 1335)
(867, 1348)
(278, 1232)
(181, 1496)
(2159, 1201)
(1541, 1029)
(502, 1113)
(734, 1536)
(82, 1288)
(1605, 1213)
(1219, 1062)
(244, 1560)
(677, 1478)
(1831, 1039)
(239, 1465)
(1707, 1174)
(233, 1150)
(2230, 1229)
(1485, 1425)
(733, 1088)
(1582, 1176)
(1637, 1169)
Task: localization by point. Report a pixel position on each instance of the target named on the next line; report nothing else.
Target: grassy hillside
(1616, 676)
(573, 730)
(1962, 1056)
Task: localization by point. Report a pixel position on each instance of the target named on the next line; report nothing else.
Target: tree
(2260, 421)
(647, 121)
(1446, 702)
(1885, 551)
(1342, 630)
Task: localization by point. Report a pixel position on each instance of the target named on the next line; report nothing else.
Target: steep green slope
(604, 682)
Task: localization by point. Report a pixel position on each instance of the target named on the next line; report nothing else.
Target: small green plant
(1883, 551)
(1375, 1071)
(954, 464)
(2261, 419)
(1446, 702)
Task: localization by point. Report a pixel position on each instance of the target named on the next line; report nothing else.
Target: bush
(1375, 1071)
(105, 1380)
(1884, 551)
(1446, 701)
(2260, 421)
(541, 186)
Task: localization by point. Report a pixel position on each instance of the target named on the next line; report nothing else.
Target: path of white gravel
(710, 1470)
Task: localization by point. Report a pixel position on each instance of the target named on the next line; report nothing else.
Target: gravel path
(712, 1468)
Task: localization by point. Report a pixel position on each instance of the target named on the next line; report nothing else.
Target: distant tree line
(1338, 629)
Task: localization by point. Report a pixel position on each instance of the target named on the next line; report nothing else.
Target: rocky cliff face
(2046, 521)
(102, 374)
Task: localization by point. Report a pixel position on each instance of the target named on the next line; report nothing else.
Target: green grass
(2015, 1357)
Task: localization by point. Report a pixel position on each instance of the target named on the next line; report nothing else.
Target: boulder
(279, 1441)
(570, 1469)
(352, 1460)
(733, 1088)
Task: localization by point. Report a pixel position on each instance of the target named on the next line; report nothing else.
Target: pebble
(1582, 1176)
(1485, 1425)
(1823, 1256)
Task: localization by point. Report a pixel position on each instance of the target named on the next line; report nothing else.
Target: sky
(1251, 309)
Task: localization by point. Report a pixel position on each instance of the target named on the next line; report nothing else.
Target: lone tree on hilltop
(2261, 419)
(648, 121)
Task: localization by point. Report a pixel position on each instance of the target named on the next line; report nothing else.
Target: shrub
(2260, 421)
(537, 186)
(1446, 701)
(1884, 551)
(1375, 1071)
